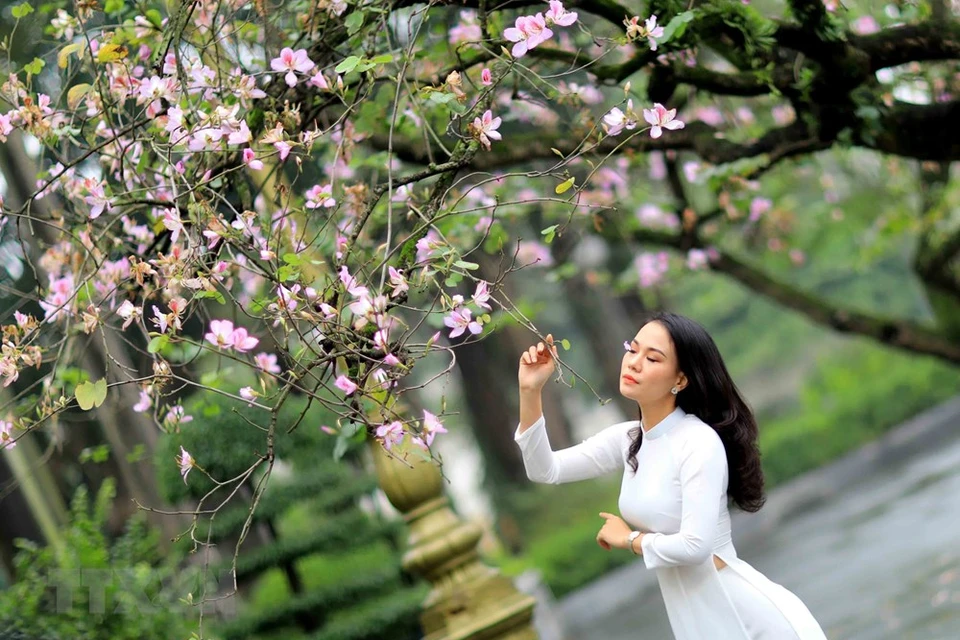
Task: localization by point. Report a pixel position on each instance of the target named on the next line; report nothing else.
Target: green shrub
(93, 588)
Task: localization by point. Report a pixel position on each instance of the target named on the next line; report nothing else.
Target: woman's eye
(651, 359)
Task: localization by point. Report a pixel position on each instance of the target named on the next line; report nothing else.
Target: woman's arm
(703, 478)
(596, 456)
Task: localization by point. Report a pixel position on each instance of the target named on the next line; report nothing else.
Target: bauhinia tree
(259, 199)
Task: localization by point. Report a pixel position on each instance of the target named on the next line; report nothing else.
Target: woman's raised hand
(537, 364)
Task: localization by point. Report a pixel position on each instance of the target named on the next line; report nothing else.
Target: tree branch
(910, 43)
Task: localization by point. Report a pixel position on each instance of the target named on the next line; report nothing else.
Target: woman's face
(649, 367)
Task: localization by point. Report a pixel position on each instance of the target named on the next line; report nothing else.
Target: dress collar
(672, 419)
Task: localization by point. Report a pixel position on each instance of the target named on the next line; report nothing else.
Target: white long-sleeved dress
(678, 497)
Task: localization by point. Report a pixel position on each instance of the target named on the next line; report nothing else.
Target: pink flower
(243, 341)
(864, 25)
(267, 362)
(144, 403)
(220, 334)
(616, 121)
(481, 295)
(186, 462)
(381, 341)
(129, 313)
(558, 15)
(391, 434)
(460, 320)
(6, 126)
(97, 199)
(247, 393)
(391, 360)
(468, 29)
(6, 435)
(486, 78)
(291, 61)
(431, 424)
(172, 221)
(649, 30)
(659, 117)
(528, 32)
(250, 159)
(758, 207)
(177, 416)
(320, 196)
(398, 282)
(345, 384)
(485, 128)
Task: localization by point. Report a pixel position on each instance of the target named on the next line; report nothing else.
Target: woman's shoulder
(694, 432)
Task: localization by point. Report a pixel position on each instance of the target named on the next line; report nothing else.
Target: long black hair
(712, 396)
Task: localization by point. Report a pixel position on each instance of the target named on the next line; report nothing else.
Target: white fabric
(678, 498)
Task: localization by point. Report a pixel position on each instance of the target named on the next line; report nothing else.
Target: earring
(674, 391)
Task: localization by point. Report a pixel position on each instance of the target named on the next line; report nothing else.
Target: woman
(693, 450)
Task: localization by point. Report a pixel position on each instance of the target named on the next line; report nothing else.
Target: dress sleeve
(703, 484)
(598, 455)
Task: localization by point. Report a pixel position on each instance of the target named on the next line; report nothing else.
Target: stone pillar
(469, 600)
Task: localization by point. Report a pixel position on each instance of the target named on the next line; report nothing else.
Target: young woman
(693, 450)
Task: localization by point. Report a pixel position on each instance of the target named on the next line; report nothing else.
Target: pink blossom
(758, 207)
(486, 78)
(660, 118)
(649, 30)
(248, 393)
(6, 435)
(319, 81)
(320, 196)
(532, 252)
(172, 221)
(186, 462)
(558, 15)
(220, 334)
(143, 403)
(291, 61)
(697, 259)
(431, 426)
(391, 434)
(177, 416)
(865, 25)
(8, 370)
(345, 384)
(398, 282)
(651, 267)
(56, 302)
(250, 159)
(381, 341)
(482, 295)
(460, 320)
(391, 360)
(6, 126)
(528, 32)
(616, 120)
(351, 283)
(129, 313)
(468, 29)
(97, 199)
(485, 128)
(267, 362)
(243, 341)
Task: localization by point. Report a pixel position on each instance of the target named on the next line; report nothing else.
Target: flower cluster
(530, 31)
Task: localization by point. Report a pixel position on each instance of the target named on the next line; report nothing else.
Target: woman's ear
(681, 382)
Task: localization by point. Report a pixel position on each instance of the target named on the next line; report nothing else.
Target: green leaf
(347, 65)
(22, 10)
(216, 295)
(113, 6)
(383, 58)
(91, 394)
(353, 22)
(34, 67)
(565, 185)
(549, 233)
(463, 264)
(441, 97)
(154, 17)
(157, 343)
(137, 454)
(565, 344)
(98, 454)
(676, 26)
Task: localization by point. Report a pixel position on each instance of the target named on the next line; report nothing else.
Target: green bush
(93, 588)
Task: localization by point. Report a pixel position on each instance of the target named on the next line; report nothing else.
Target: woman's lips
(629, 379)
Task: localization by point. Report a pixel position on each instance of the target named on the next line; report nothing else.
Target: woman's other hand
(613, 534)
(537, 364)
